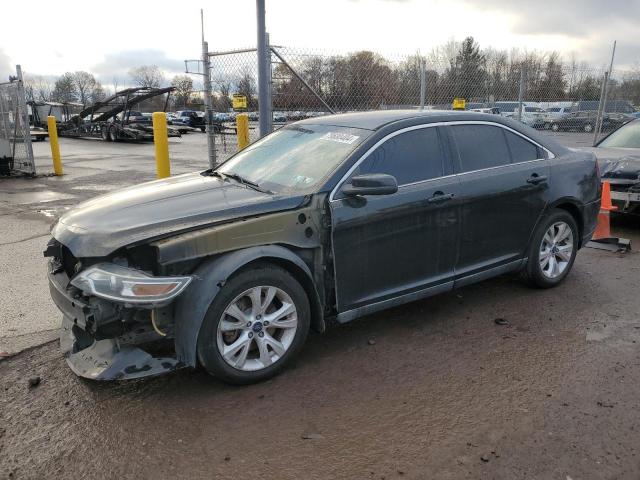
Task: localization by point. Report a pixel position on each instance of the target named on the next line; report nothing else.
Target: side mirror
(371, 184)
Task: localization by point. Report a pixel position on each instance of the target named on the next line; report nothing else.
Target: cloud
(117, 64)
(6, 68)
(593, 24)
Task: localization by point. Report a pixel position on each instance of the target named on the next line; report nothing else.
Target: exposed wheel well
(317, 317)
(575, 213)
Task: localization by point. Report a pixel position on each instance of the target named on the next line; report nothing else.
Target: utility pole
(263, 72)
(602, 107)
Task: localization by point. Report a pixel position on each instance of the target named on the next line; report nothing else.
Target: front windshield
(627, 136)
(295, 158)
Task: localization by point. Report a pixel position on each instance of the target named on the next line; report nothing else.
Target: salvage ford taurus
(325, 219)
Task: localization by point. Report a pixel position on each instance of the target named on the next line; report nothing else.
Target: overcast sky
(107, 38)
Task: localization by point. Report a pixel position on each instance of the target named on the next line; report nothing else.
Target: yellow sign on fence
(459, 103)
(238, 101)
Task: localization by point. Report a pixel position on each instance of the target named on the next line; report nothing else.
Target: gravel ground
(435, 389)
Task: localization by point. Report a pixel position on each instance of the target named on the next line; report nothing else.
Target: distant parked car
(619, 160)
(555, 113)
(139, 117)
(532, 115)
(620, 106)
(489, 110)
(585, 121)
(171, 117)
(191, 118)
(279, 117)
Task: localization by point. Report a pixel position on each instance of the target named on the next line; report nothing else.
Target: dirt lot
(433, 390)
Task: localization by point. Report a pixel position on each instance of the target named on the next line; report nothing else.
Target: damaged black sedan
(619, 158)
(325, 219)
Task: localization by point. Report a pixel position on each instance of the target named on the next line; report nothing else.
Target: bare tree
(87, 88)
(64, 89)
(38, 88)
(147, 76)
(183, 87)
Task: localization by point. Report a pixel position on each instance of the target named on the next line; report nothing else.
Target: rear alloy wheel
(254, 326)
(555, 127)
(553, 250)
(588, 128)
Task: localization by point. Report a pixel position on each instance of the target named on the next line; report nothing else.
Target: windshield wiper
(239, 178)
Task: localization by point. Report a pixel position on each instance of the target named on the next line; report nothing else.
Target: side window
(480, 146)
(521, 149)
(410, 157)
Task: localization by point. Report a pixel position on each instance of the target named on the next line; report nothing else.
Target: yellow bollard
(55, 146)
(242, 127)
(161, 141)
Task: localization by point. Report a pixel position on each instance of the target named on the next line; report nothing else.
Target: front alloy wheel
(257, 328)
(255, 325)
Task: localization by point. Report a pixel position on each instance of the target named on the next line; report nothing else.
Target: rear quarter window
(521, 150)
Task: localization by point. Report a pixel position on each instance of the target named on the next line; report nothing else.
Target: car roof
(375, 120)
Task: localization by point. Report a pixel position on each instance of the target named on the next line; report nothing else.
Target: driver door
(406, 243)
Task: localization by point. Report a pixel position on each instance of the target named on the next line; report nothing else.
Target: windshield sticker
(340, 137)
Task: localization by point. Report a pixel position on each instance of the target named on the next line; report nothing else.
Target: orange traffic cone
(603, 227)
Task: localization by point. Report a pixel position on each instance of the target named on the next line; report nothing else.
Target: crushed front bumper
(110, 358)
(115, 358)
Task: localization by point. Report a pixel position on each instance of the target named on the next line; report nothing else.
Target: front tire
(255, 326)
(553, 250)
(588, 128)
(555, 127)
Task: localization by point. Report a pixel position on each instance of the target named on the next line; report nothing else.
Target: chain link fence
(538, 90)
(16, 154)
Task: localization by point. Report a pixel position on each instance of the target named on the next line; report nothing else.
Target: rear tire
(552, 251)
(555, 127)
(256, 324)
(588, 128)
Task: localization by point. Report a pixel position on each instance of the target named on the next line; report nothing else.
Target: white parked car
(555, 113)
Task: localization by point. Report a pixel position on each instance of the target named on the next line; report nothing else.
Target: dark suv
(328, 218)
(585, 121)
(191, 118)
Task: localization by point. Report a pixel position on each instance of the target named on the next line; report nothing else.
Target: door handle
(440, 197)
(535, 179)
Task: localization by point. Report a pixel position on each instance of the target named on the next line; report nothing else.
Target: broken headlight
(122, 284)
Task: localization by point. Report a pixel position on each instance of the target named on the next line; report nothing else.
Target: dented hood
(160, 208)
(619, 165)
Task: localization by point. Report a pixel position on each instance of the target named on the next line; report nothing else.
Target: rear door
(503, 192)
(391, 245)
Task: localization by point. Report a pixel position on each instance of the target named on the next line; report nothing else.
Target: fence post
(24, 120)
(208, 108)
(161, 143)
(521, 92)
(269, 85)
(53, 143)
(600, 111)
(242, 127)
(423, 85)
